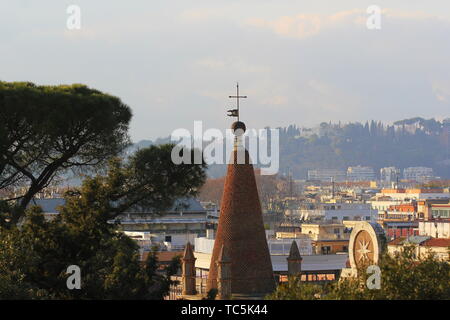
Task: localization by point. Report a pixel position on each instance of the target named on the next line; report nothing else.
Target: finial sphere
(238, 128)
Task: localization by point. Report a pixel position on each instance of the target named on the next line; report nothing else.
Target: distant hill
(405, 143)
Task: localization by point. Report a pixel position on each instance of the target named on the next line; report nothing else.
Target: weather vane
(235, 112)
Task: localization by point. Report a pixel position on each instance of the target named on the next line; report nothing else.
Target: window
(446, 213)
(168, 239)
(326, 250)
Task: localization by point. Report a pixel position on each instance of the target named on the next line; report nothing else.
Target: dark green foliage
(296, 290)
(212, 294)
(47, 130)
(34, 257)
(34, 261)
(403, 277)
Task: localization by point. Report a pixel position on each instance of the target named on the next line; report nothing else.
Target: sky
(299, 62)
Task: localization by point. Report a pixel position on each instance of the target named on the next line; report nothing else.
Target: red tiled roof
(437, 242)
(163, 256)
(167, 256)
(396, 242)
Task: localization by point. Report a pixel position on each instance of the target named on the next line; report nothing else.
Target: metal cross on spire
(235, 112)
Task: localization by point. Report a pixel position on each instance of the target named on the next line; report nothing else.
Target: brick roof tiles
(437, 242)
(241, 231)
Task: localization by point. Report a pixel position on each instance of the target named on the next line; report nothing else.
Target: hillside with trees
(405, 143)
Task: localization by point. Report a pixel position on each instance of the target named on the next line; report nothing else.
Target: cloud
(307, 25)
(416, 15)
(441, 91)
(303, 26)
(277, 100)
(201, 14)
(233, 64)
(302, 62)
(212, 63)
(325, 99)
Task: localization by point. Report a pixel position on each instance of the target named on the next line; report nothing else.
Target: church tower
(241, 229)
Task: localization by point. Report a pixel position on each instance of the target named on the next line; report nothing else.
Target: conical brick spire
(241, 230)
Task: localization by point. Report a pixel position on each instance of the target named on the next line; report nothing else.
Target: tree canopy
(34, 257)
(47, 130)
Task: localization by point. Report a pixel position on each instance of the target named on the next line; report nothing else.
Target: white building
(279, 250)
(384, 204)
(276, 246)
(360, 173)
(184, 222)
(389, 174)
(435, 229)
(419, 174)
(170, 230)
(387, 198)
(336, 211)
(327, 175)
(407, 195)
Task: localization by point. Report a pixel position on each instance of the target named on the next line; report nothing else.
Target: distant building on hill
(419, 174)
(328, 175)
(389, 175)
(360, 173)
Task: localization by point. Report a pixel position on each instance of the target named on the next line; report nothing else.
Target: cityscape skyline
(130, 168)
